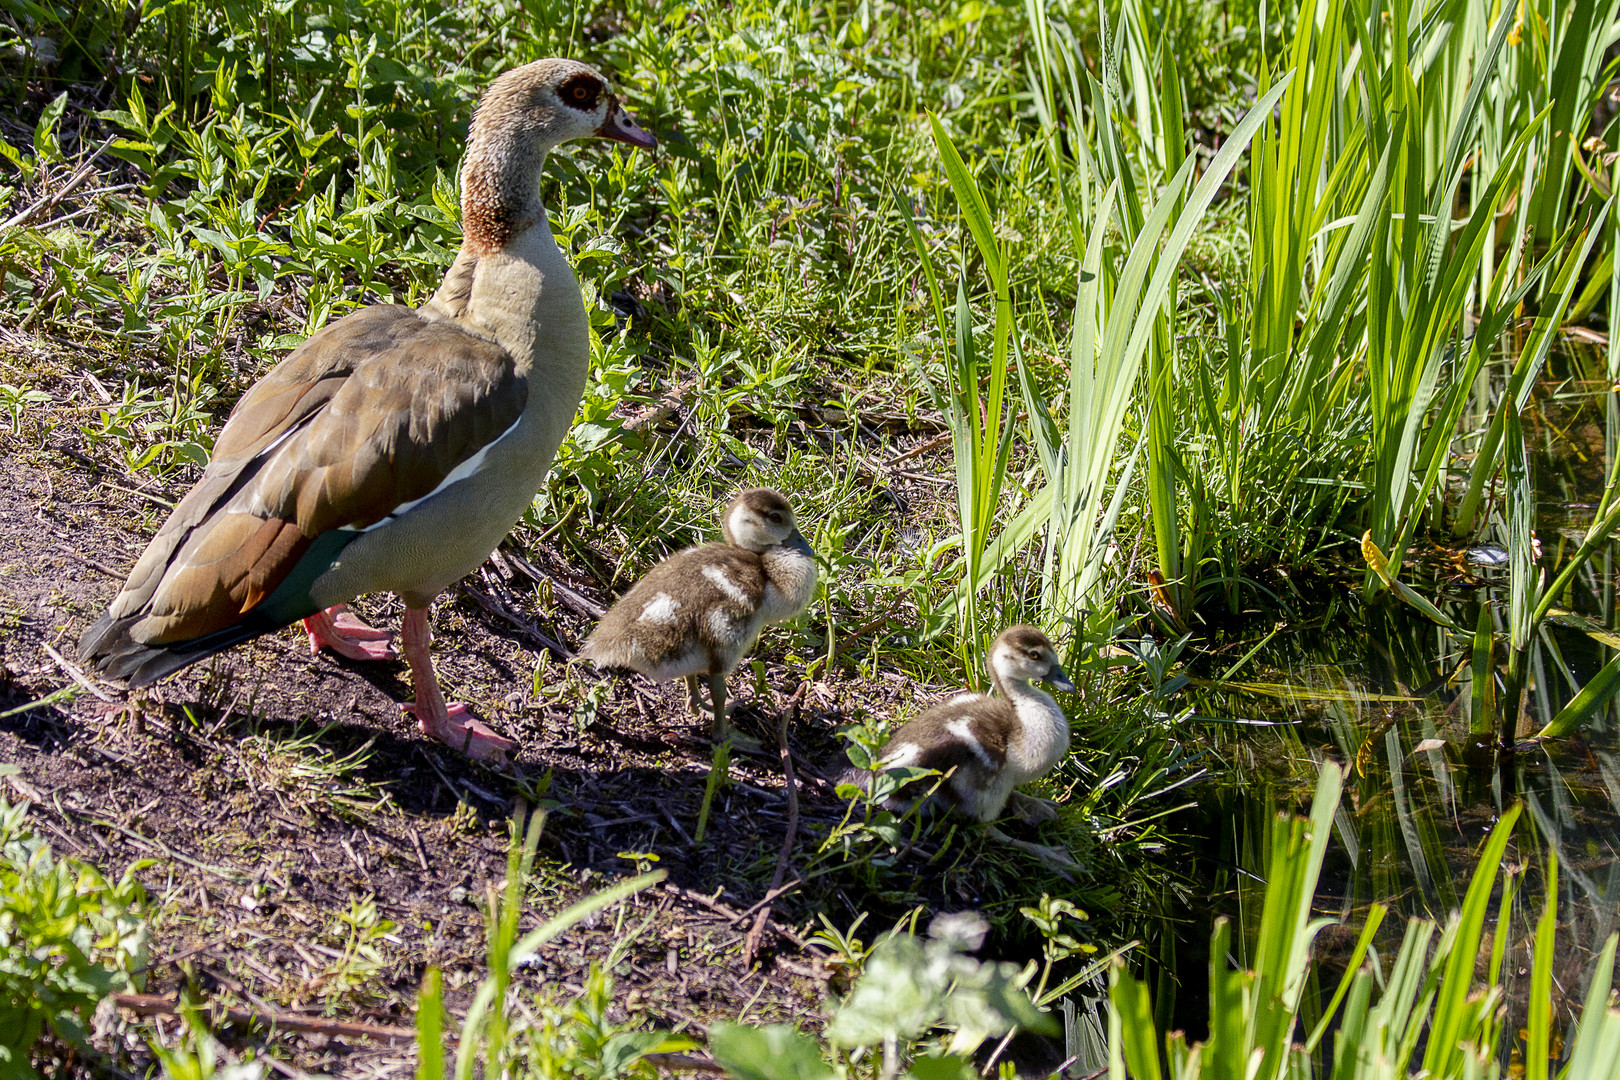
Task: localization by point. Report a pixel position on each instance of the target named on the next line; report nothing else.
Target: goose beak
(622, 127)
(1059, 680)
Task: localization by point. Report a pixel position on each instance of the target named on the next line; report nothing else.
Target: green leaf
(776, 1052)
(1597, 693)
(974, 209)
(897, 995)
(430, 1028)
(45, 141)
(1133, 1039)
(1455, 984)
(627, 1047)
(944, 1067)
(1541, 972)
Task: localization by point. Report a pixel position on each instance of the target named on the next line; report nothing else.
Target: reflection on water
(1379, 687)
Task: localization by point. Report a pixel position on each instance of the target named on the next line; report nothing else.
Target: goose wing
(373, 412)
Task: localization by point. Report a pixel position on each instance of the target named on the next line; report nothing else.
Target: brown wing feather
(372, 412)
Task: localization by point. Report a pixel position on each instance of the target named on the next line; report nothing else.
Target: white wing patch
(902, 755)
(963, 729)
(457, 474)
(660, 610)
(720, 624)
(717, 574)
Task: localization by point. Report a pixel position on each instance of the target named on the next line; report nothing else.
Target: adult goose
(699, 611)
(396, 447)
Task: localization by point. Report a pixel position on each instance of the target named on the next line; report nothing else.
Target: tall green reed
(1347, 353)
(981, 434)
(1118, 318)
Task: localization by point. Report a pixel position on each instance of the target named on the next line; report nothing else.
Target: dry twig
(160, 1005)
(751, 946)
(574, 601)
(74, 673)
(494, 607)
(687, 1062)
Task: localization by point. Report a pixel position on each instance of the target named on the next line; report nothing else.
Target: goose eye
(581, 91)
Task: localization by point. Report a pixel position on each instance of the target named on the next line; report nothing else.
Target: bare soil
(223, 780)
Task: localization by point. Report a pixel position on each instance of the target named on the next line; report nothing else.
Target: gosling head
(522, 115)
(1024, 654)
(759, 518)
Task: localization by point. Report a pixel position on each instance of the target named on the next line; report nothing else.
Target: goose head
(548, 102)
(524, 114)
(758, 519)
(1024, 654)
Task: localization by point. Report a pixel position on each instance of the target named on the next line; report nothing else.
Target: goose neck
(500, 192)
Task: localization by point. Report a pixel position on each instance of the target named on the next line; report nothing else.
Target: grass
(1428, 998)
(1125, 320)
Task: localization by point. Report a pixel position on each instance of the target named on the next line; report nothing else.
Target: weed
(356, 933)
(68, 937)
(14, 402)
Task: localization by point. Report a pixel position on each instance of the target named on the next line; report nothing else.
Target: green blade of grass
(1451, 1002)
(1541, 975)
(1597, 693)
(430, 1027)
(472, 1027)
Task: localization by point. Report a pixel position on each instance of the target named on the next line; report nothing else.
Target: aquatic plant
(1429, 998)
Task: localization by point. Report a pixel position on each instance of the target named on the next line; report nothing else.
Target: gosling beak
(622, 127)
(1058, 680)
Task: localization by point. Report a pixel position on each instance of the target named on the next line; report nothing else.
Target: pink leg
(451, 723)
(337, 629)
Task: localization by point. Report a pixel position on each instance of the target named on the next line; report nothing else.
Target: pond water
(1377, 686)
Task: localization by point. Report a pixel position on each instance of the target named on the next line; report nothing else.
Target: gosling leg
(694, 699)
(717, 695)
(722, 730)
(1055, 859)
(1030, 809)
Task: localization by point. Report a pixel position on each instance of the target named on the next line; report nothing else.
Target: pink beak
(622, 127)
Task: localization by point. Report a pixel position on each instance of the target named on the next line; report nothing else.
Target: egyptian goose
(396, 447)
(992, 743)
(700, 610)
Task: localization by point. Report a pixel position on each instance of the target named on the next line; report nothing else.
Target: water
(1378, 687)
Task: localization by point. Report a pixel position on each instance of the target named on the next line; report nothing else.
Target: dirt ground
(271, 790)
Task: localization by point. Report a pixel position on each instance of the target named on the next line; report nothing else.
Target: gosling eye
(775, 517)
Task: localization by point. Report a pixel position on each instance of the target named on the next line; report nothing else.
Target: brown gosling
(700, 611)
(988, 745)
(993, 743)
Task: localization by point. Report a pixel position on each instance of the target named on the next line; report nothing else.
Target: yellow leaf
(1376, 561)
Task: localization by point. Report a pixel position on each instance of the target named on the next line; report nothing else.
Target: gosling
(987, 745)
(700, 611)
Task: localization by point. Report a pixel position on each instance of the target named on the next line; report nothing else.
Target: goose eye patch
(581, 92)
